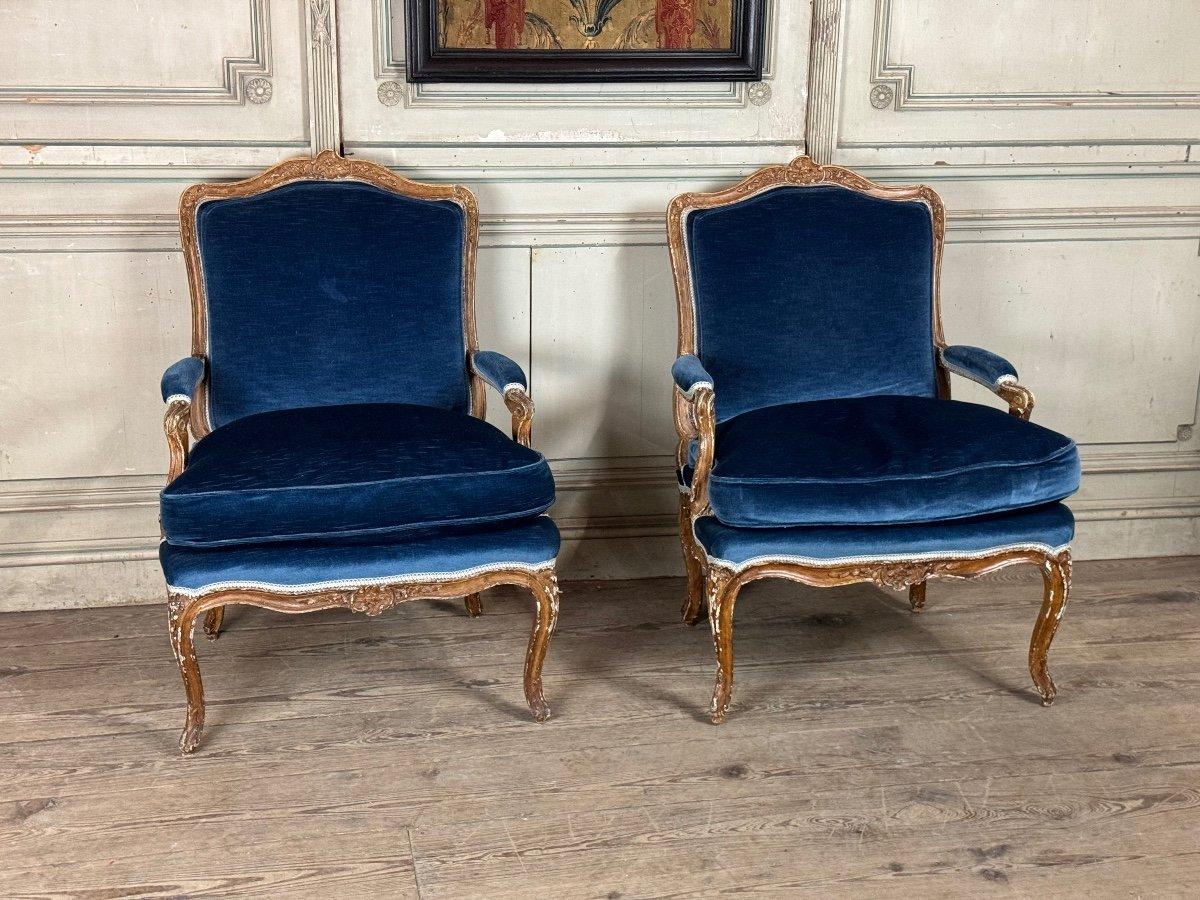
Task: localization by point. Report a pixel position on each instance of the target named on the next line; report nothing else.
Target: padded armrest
(498, 370)
(689, 374)
(983, 366)
(182, 378)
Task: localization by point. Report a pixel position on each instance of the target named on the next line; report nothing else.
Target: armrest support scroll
(508, 378)
(695, 420)
(993, 372)
(179, 385)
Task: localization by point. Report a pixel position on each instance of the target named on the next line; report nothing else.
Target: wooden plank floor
(868, 751)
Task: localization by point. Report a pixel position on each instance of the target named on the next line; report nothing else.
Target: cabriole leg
(212, 622)
(1056, 576)
(545, 598)
(694, 599)
(722, 595)
(474, 604)
(182, 612)
(916, 597)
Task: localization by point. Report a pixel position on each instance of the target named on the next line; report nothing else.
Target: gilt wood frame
(718, 582)
(373, 596)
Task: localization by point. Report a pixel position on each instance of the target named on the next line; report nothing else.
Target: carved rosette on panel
(882, 96)
(390, 93)
(258, 90)
(759, 93)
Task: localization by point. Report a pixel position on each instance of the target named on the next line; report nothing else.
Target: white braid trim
(691, 392)
(829, 562)
(351, 583)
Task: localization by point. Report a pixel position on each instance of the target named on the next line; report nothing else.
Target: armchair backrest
(326, 281)
(807, 282)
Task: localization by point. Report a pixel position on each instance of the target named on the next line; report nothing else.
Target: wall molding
(243, 79)
(824, 51)
(897, 81)
(159, 232)
(324, 101)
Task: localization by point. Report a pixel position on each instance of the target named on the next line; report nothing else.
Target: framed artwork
(584, 40)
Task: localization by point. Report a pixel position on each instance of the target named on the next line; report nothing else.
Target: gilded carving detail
(1018, 398)
(175, 425)
(520, 404)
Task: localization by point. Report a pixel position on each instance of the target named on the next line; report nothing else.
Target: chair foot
(474, 603)
(1056, 577)
(189, 739)
(545, 598)
(916, 597)
(181, 622)
(722, 595)
(212, 622)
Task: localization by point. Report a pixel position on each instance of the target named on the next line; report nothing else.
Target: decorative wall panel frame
(895, 87)
(243, 79)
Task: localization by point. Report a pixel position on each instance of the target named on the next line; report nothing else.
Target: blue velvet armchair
(817, 438)
(336, 396)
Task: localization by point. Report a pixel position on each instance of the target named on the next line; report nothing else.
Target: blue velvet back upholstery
(811, 293)
(332, 292)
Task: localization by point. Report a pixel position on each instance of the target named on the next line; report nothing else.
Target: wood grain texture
(879, 751)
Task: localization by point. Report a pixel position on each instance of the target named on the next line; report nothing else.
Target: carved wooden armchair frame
(696, 422)
(187, 416)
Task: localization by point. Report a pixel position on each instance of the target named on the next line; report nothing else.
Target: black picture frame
(427, 62)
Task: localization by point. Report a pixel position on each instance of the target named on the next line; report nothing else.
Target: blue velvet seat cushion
(432, 551)
(1049, 527)
(334, 471)
(884, 460)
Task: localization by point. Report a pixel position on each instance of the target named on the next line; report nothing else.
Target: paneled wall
(1063, 136)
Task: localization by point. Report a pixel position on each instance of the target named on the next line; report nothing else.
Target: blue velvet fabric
(530, 542)
(688, 372)
(330, 292)
(337, 471)
(1051, 525)
(183, 377)
(807, 293)
(883, 460)
(498, 370)
(978, 364)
